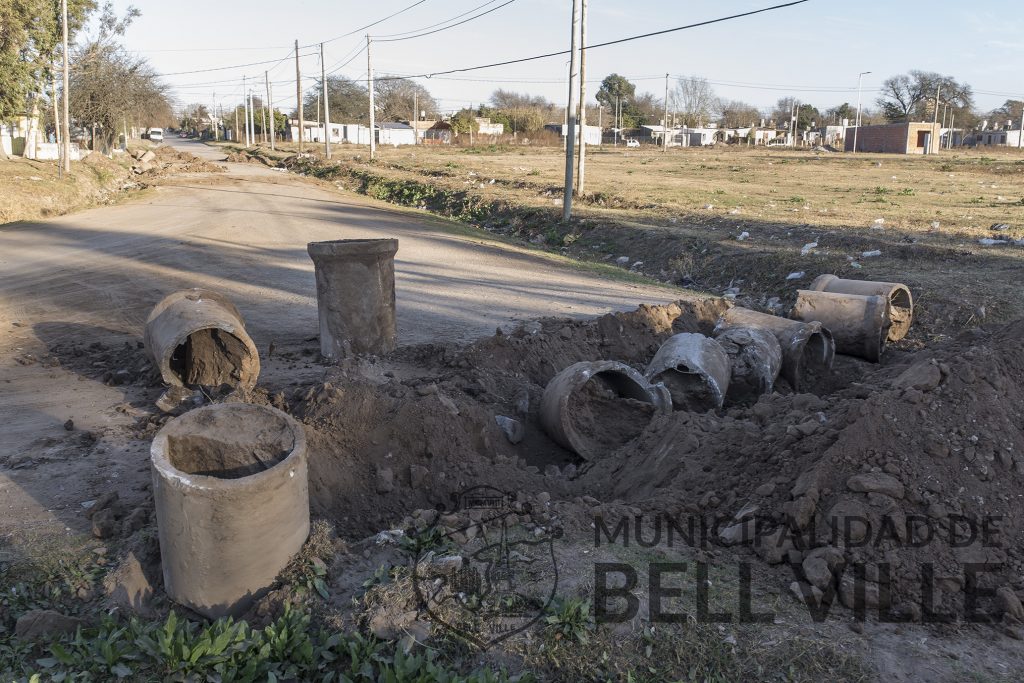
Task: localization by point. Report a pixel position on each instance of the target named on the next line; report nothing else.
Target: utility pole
(298, 92)
(369, 86)
(856, 129)
(213, 119)
(949, 140)
(252, 119)
(270, 103)
(583, 98)
(56, 129)
(234, 133)
(615, 140)
(245, 102)
(600, 122)
(664, 124)
(327, 106)
(263, 123)
(935, 117)
(415, 116)
(1020, 138)
(570, 140)
(65, 120)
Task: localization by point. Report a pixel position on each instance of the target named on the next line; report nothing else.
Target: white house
(1004, 137)
(591, 136)
(396, 134)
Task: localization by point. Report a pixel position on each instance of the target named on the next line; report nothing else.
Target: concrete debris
(695, 369)
(808, 248)
(513, 429)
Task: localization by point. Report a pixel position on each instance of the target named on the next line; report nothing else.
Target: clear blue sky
(812, 51)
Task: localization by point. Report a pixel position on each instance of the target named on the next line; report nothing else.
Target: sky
(813, 51)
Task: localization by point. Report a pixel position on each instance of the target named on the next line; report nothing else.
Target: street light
(856, 129)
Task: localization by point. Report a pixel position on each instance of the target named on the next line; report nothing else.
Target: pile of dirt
(243, 157)
(883, 470)
(168, 160)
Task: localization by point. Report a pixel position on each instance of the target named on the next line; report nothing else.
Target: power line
(363, 28)
(610, 42)
(424, 28)
(234, 66)
(445, 28)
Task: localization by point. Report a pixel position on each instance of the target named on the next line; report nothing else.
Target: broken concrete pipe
(901, 303)
(593, 407)
(755, 358)
(859, 324)
(355, 294)
(232, 503)
(197, 338)
(807, 348)
(695, 370)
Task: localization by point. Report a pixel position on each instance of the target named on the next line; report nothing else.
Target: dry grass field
(739, 219)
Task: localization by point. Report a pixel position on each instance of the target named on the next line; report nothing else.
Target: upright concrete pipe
(807, 348)
(355, 295)
(695, 370)
(564, 404)
(232, 503)
(859, 324)
(197, 338)
(755, 357)
(901, 303)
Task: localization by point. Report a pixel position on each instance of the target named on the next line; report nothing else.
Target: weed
(569, 619)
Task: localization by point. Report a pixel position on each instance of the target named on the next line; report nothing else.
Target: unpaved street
(93, 277)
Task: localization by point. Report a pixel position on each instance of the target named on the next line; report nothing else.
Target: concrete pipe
(355, 295)
(859, 324)
(755, 357)
(694, 369)
(807, 348)
(594, 407)
(197, 338)
(232, 503)
(901, 303)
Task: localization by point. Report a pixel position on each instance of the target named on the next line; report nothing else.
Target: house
(1004, 137)
(396, 134)
(485, 127)
(895, 138)
(591, 136)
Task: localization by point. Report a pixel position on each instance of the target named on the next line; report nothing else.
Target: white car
(632, 142)
(156, 134)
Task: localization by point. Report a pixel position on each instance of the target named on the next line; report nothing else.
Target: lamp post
(856, 128)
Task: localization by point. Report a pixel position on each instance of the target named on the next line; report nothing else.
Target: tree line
(109, 88)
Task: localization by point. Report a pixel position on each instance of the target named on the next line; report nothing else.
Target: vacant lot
(723, 218)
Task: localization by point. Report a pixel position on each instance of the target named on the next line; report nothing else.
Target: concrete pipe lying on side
(901, 303)
(594, 407)
(694, 369)
(355, 295)
(807, 348)
(859, 324)
(756, 359)
(232, 503)
(197, 338)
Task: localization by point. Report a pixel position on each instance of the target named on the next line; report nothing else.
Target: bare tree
(695, 99)
(912, 96)
(394, 98)
(736, 114)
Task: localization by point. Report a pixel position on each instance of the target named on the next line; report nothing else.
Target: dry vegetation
(32, 189)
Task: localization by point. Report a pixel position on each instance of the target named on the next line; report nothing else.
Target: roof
(395, 126)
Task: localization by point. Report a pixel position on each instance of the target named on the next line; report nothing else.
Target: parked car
(156, 134)
(632, 142)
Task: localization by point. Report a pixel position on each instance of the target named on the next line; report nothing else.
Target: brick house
(896, 138)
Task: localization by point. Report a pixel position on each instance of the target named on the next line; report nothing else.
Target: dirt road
(92, 277)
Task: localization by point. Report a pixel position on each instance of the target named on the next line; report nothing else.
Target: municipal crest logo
(488, 577)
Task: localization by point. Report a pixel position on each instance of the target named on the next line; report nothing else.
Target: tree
(395, 98)
(1010, 111)
(109, 86)
(806, 114)
(695, 100)
(736, 114)
(195, 117)
(349, 100)
(615, 86)
(520, 113)
(464, 121)
(911, 96)
(835, 115)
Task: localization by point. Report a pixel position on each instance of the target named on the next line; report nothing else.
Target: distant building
(485, 127)
(354, 133)
(895, 138)
(396, 134)
(1005, 137)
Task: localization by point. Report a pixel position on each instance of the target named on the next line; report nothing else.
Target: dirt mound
(169, 160)
(882, 473)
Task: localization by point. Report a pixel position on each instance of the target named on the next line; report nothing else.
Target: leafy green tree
(836, 114)
(349, 101)
(464, 121)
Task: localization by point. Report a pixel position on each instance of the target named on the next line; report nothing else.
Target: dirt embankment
(33, 190)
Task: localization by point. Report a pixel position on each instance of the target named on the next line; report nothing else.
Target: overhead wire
(445, 28)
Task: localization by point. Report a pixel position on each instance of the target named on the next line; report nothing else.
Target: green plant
(569, 619)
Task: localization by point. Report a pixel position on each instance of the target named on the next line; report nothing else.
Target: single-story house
(895, 138)
(396, 134)
(485, 127)
(1004, 137)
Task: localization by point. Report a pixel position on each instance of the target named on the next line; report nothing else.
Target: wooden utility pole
(252, 119)
(263, 123)
(1020, 138)
(270, 103)
(583, 99)
(369, 87)
(65, 121)
(570, 138)
(415, 116)
(56, 129)
(298, 92)
(327, 105)
(664, 124)
(245, 103)
(234, 132)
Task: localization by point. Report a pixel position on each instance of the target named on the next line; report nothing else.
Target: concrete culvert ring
(593, 408)
(755, 359)
(901, 302)
(197, 339)
(694, 369)
(232, 503)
